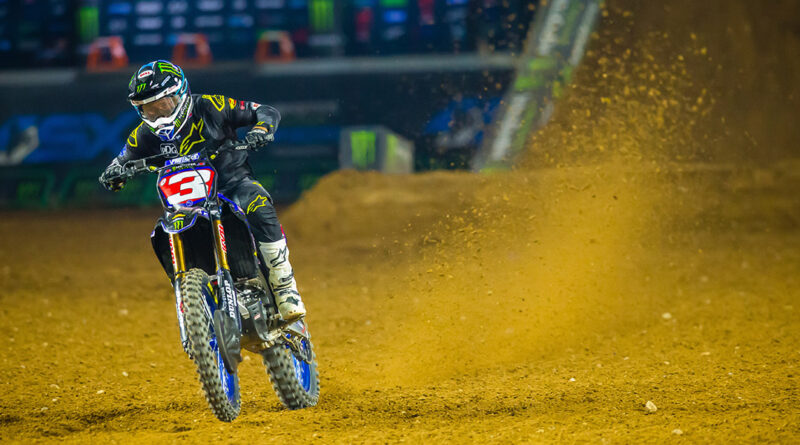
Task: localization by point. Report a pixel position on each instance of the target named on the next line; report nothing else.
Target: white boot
(281, 280)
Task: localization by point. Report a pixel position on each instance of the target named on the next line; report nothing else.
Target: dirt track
(621, 265)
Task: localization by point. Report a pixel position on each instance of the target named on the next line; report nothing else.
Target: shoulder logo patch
(217, 100)
(132, 138)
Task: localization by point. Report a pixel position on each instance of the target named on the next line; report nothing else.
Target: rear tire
(295, 382)
(220, 387)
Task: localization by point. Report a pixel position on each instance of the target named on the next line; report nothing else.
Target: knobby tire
(280, 368)
(199, 330)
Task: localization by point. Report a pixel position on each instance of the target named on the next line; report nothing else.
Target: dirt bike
(222, 298)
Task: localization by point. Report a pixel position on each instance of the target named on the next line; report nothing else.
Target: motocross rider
(177, 123)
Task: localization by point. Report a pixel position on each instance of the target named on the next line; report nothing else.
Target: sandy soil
(559, 325)
(635, 256)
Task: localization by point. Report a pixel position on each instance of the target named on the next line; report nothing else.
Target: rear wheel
(220, 387)
(293, 375)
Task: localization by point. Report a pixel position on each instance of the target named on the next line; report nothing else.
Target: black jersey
(213, 120)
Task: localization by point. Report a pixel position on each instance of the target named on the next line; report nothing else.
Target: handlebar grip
(237, 145)
(233, 145)
(132, 168)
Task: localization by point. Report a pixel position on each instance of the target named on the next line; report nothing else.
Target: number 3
(192, 185)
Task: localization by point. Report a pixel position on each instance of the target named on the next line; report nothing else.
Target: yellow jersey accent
(258, 202)
(192, 138)
(232, 103)
(132, 137)
(217, 100)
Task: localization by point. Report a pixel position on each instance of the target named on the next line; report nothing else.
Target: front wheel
(220, 387)
(293, 375)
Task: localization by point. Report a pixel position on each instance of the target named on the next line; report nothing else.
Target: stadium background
(419, 70)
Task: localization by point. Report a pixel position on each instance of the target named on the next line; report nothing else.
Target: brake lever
(232, 145)
(240, 145)
(133, 168)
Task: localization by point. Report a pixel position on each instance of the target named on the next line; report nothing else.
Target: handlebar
(234, 145)
(138, 166)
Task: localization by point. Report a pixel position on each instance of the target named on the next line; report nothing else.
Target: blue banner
(84, 137)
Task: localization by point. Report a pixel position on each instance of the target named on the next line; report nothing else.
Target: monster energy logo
(362, 146)
(140, 87)
(177, 221)
(321, 12)
(165, 67)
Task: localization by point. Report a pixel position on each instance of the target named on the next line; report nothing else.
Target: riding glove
(110, 179)
(259, 136)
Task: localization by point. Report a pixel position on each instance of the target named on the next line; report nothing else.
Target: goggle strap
(166, 92)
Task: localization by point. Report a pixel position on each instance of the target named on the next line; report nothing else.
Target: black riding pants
(256, 203)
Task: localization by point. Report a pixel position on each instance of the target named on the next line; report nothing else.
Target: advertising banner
(556, 43)
(375, 148)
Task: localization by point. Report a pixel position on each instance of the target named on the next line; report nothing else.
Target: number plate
(187, 187)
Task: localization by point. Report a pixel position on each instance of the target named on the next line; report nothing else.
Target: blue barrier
(85, 137)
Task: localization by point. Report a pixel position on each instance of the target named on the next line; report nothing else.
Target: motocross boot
(281, 280)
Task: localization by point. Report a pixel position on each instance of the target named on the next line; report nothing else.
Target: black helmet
(160, 94)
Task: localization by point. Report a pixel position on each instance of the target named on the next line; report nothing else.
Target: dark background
(428, 70)
(39, 33)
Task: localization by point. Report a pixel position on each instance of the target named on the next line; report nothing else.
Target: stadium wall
(58, 129)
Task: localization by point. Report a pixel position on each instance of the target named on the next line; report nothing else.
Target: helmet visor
(162, 107)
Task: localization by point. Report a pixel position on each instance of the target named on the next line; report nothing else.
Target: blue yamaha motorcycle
(222, 298)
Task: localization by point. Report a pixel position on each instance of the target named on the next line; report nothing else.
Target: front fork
(226, 292)
(226, 319)
(179, 267)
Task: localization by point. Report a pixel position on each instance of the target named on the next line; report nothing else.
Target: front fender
(179, 221)
(197, 248)
(194, 225)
